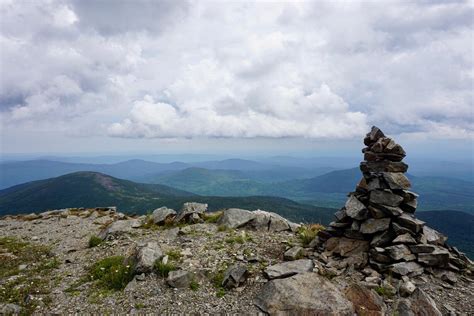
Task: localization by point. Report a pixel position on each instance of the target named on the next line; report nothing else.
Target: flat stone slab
(289, 268)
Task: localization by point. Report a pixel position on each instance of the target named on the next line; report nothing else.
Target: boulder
(365, 301)
(235, 276)
(179, 279)
(289, 268)
(303, 294)
(235, 218)
(160, 215)
(271, 221)
(278, 223)
(189, 209)
(372, 225)
(385, 198)
(146, 257)
(355, 208)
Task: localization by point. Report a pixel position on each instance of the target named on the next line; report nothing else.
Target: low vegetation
(24, 271)
(112, 273)
(163, 269)
(306, 233)
(94, 241)
(212, 217)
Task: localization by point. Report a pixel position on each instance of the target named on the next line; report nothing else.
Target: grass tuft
(94, 241)
(307, 233)
(112, 273)
(163, 269)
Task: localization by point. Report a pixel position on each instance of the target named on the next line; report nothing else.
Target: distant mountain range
(329, 190)
(91, 189)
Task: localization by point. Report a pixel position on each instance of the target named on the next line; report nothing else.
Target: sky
(80, 76)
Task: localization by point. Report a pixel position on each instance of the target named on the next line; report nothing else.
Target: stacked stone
(378, 219)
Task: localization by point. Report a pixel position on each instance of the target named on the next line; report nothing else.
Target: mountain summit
(376, 258)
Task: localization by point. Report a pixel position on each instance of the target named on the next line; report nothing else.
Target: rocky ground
(231, 263)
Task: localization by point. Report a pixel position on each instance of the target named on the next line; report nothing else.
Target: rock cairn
(377, 225)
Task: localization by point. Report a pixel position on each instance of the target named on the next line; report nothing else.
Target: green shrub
(163, 269)
(112, 273)
(94, 241)
(220, 292)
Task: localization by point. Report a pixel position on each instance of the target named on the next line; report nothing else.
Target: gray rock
(346, 247)
(400, 230)
(118, 228)
(355, 208)
(376, 212)
(391, 210)
(374, 135)
(396, 180)
(235, 218)
(404, 239)
(433, 237)
(423, 304)
(161, 214)
(385, 198)
(289, 268)
(293, 253)
(235, 276)
(190, 208)
(437, 258)
(303, 294)
(406, 268)
(10, 309)
(398, 252)
(422, 248)
(407, 288)
(340, 215)
(146, 257)
(410, 222)
(373, 225)
(365, 301)
(278, 223)
(179, 279)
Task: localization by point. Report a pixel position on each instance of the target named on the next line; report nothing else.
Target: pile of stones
(377, 226)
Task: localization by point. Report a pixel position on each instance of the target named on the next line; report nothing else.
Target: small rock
(407, 288)
(404, 239)
(146, 257)
(10, 309)
(365, 301)
(385, 198)
(293, 253)
(179, 279)
(355, 209)
(235, 276)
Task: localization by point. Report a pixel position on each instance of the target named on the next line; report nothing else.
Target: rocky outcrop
(378, 219)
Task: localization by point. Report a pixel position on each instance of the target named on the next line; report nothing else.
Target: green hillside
(91, 189)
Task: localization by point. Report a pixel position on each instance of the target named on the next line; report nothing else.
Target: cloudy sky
(158, 76)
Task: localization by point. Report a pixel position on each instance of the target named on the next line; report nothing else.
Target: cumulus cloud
(183, 69)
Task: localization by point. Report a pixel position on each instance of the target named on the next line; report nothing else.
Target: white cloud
(178, 69)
